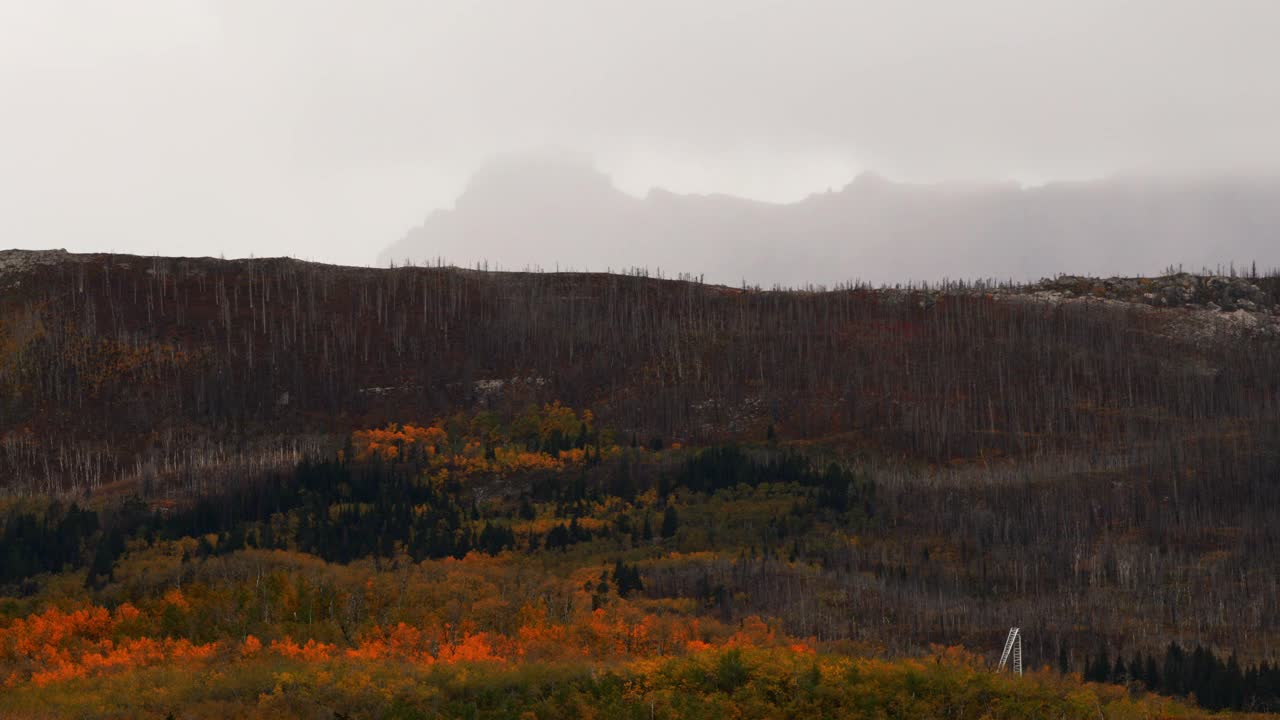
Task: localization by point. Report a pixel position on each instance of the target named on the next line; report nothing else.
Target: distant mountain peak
(555, 207)
(870, 180)
(545, 174)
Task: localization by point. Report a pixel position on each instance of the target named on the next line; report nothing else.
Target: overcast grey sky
(326, 129)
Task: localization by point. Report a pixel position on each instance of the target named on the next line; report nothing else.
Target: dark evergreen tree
(527, 511)
(110, 548)
(670, 522)
(1099, 669)
(1120, 672)
(626, 579)
(1151, 674)
(558, 538)
(1172, 675)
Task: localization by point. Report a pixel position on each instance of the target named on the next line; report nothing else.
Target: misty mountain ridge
(558, 210)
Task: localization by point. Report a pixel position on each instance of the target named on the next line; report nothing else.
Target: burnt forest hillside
(1095, 460)
(127, 363)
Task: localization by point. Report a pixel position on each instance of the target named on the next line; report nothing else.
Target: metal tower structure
(1012, 646)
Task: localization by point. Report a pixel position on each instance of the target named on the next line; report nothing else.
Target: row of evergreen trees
(1214, 683)
(336, 510)
(836, 488)
(33, 543)
(342, 511)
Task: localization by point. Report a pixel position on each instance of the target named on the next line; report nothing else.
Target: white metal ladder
(1012, 645)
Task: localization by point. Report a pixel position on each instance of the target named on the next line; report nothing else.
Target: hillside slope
(140, 367)
(516, 463)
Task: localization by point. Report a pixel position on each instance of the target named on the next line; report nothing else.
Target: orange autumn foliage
(252, 646)
(388, 443)
(58, 645)
(312, 651)
(105, 361)
(754, 632)
(126, 613)
(175, 598)
(472, 648)
(484, 451)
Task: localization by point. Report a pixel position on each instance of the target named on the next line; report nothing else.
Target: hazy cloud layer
(323, 129)
(555, 211)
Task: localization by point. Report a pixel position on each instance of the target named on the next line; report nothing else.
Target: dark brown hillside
(139, 367)
(1072, 456)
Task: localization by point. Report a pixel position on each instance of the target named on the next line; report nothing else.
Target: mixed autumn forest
(278, 488)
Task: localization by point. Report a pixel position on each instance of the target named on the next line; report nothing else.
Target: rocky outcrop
(14, 264)
(1212, 292)
(14, 261)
